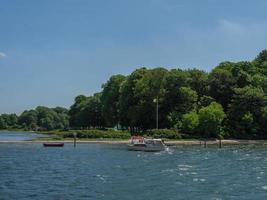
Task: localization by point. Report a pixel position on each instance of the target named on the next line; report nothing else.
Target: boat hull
(131, 147)
(53, 144)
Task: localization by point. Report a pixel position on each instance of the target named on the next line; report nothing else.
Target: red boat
(50, 144)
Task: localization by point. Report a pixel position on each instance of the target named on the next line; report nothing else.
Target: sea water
(18, 136)
(97, 171)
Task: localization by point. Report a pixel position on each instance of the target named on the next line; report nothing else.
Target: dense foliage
(163, 133)
(229, 101)
(42, 118)
(92, 134)
(8, 121)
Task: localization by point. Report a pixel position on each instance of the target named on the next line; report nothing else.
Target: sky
(54, 50)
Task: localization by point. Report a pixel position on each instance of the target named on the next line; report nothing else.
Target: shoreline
(168, 142)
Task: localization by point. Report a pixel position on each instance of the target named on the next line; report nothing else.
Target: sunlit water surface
(18, 136)
(30, 171)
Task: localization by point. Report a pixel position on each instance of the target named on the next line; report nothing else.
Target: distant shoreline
(169, 142)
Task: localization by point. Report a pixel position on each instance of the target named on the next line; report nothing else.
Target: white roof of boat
(155, 139)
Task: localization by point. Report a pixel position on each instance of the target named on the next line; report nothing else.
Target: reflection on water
(93, 171)
(18, 136)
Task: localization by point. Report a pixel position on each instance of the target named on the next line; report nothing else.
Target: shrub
(163, 133)
(210, 120)
(190, 122)
(97, 134)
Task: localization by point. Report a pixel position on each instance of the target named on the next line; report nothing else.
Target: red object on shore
(60, 144)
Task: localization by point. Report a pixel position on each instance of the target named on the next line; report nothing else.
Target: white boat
(139, 143)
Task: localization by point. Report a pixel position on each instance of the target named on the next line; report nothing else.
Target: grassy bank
(110, 134)
(113, 134)
(88, 134)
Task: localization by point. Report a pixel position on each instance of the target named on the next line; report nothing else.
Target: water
(18, 136)
(91, 171)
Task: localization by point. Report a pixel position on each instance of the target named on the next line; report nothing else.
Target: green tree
(198, 81)
(92, 112)
(249, 127)
(137, 101)
(260, 81)
(247, 102)
(62, 118)
(242, 72)
(3, 124)
(190, 123)
(46, 118)
(260, 62)
(205, 101)
(75, 113)
(12, 120)
(29, 119)
(210, 120)
(148, 90)
(130, 110)
(261, 59)
(175, 79)
(263, 124)
(221, 84)
(186, 102)
(110, 99)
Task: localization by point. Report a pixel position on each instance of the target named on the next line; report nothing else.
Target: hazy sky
(54, 50)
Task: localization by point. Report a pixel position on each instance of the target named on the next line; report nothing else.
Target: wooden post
(74, 139)
(220, 143)
(205, 143)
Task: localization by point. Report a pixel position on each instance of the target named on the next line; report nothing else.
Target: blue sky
(54, 50)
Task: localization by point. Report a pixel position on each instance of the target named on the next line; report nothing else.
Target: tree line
(229, 101)
(41, 118)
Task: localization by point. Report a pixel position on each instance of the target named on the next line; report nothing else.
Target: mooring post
(205, 143)
(74, 139)
(220, 143)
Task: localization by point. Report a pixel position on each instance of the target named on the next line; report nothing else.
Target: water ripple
(111, 172)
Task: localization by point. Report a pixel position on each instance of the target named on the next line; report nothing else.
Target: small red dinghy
(50, 144)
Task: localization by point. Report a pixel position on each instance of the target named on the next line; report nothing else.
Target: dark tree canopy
(110, 99)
